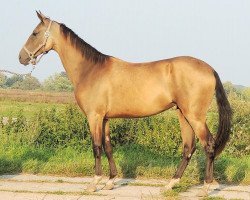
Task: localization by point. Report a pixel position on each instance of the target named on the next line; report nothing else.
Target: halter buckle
(46, 34)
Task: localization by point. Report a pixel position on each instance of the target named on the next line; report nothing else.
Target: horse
(106, 87)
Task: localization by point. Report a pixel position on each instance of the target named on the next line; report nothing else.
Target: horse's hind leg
(205, 137)
(188, 139)
(106, 142)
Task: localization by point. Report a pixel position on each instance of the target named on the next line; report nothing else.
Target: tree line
(57, 82)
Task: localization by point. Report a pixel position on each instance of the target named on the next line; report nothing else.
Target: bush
(13, 80)
(70, 128)
(3, 79)
(59, 128)
(28, 83)
(240, 132)
(58, 82)
(62, 128)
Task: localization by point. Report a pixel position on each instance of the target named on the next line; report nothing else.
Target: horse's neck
(73, 61)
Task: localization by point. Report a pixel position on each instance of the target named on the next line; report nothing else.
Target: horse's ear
(40, 16)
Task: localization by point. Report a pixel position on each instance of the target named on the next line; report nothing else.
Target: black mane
(89, 52)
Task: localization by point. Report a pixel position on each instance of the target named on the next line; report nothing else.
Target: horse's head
(39, 42)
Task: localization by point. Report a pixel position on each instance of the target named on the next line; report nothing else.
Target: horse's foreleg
(95, 124)
(108, 150)
(188, 139)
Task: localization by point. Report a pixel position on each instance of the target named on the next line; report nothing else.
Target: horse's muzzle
(23, 58)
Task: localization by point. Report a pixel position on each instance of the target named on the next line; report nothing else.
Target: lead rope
(18, 74)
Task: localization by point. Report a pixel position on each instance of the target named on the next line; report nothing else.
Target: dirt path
(27, 187)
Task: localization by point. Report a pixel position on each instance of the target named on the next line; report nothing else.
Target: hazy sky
(217, 32)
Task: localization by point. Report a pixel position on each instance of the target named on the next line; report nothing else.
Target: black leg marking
(97, 154)
(106, 142)
(187, 154)
(210, 153)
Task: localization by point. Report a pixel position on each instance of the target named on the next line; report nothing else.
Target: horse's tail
(225, 116)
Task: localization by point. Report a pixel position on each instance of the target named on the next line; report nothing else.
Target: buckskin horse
(106, 87)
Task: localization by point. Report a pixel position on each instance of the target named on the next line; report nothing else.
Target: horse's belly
(136, 113)
(139, 106)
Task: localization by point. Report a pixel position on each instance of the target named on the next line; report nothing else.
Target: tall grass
(65, 126)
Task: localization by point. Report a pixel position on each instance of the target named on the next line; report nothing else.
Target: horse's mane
(87, 50)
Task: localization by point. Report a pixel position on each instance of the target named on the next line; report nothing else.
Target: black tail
(225, 116)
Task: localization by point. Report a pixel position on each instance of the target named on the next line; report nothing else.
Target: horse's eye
(34, 33)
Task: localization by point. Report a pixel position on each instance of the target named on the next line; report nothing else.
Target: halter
(31, 54)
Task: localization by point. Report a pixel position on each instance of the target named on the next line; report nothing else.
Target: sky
(217, 32)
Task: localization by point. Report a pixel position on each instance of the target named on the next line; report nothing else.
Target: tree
(15, 79)
(64, 74)
(229, 88)
(30, 83)
(58, 82)
(246, 93)
(22, 82)
(3, 79)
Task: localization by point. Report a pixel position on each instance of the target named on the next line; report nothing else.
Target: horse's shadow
(15, 166)
(222, 171)
(146, 161)
(224, 176)
(136, 160)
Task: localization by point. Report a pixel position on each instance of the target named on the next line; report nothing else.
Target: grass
(131, 161)
(213, 198)
(181, 187)
(30, 102)
(144, 184)
(54, 192)
(29, 109)
(46, 181)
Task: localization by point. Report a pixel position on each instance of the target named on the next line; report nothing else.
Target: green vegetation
(31, 97)
(51, 192)
(28, 109)
(51, 138)
(19, 82)
(58, 82)
(213, 198)
(72, 162)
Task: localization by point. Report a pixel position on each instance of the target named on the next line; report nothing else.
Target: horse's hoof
(91, 188)
(202, 193)
(109, 186)
(165, 189)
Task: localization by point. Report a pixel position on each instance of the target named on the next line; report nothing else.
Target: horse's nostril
(19, 57)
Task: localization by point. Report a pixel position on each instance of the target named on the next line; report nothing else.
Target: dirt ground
(34, 187)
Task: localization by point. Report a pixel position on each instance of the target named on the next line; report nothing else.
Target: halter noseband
(31, 54)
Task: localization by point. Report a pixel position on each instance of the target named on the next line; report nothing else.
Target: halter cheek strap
(31, 54)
